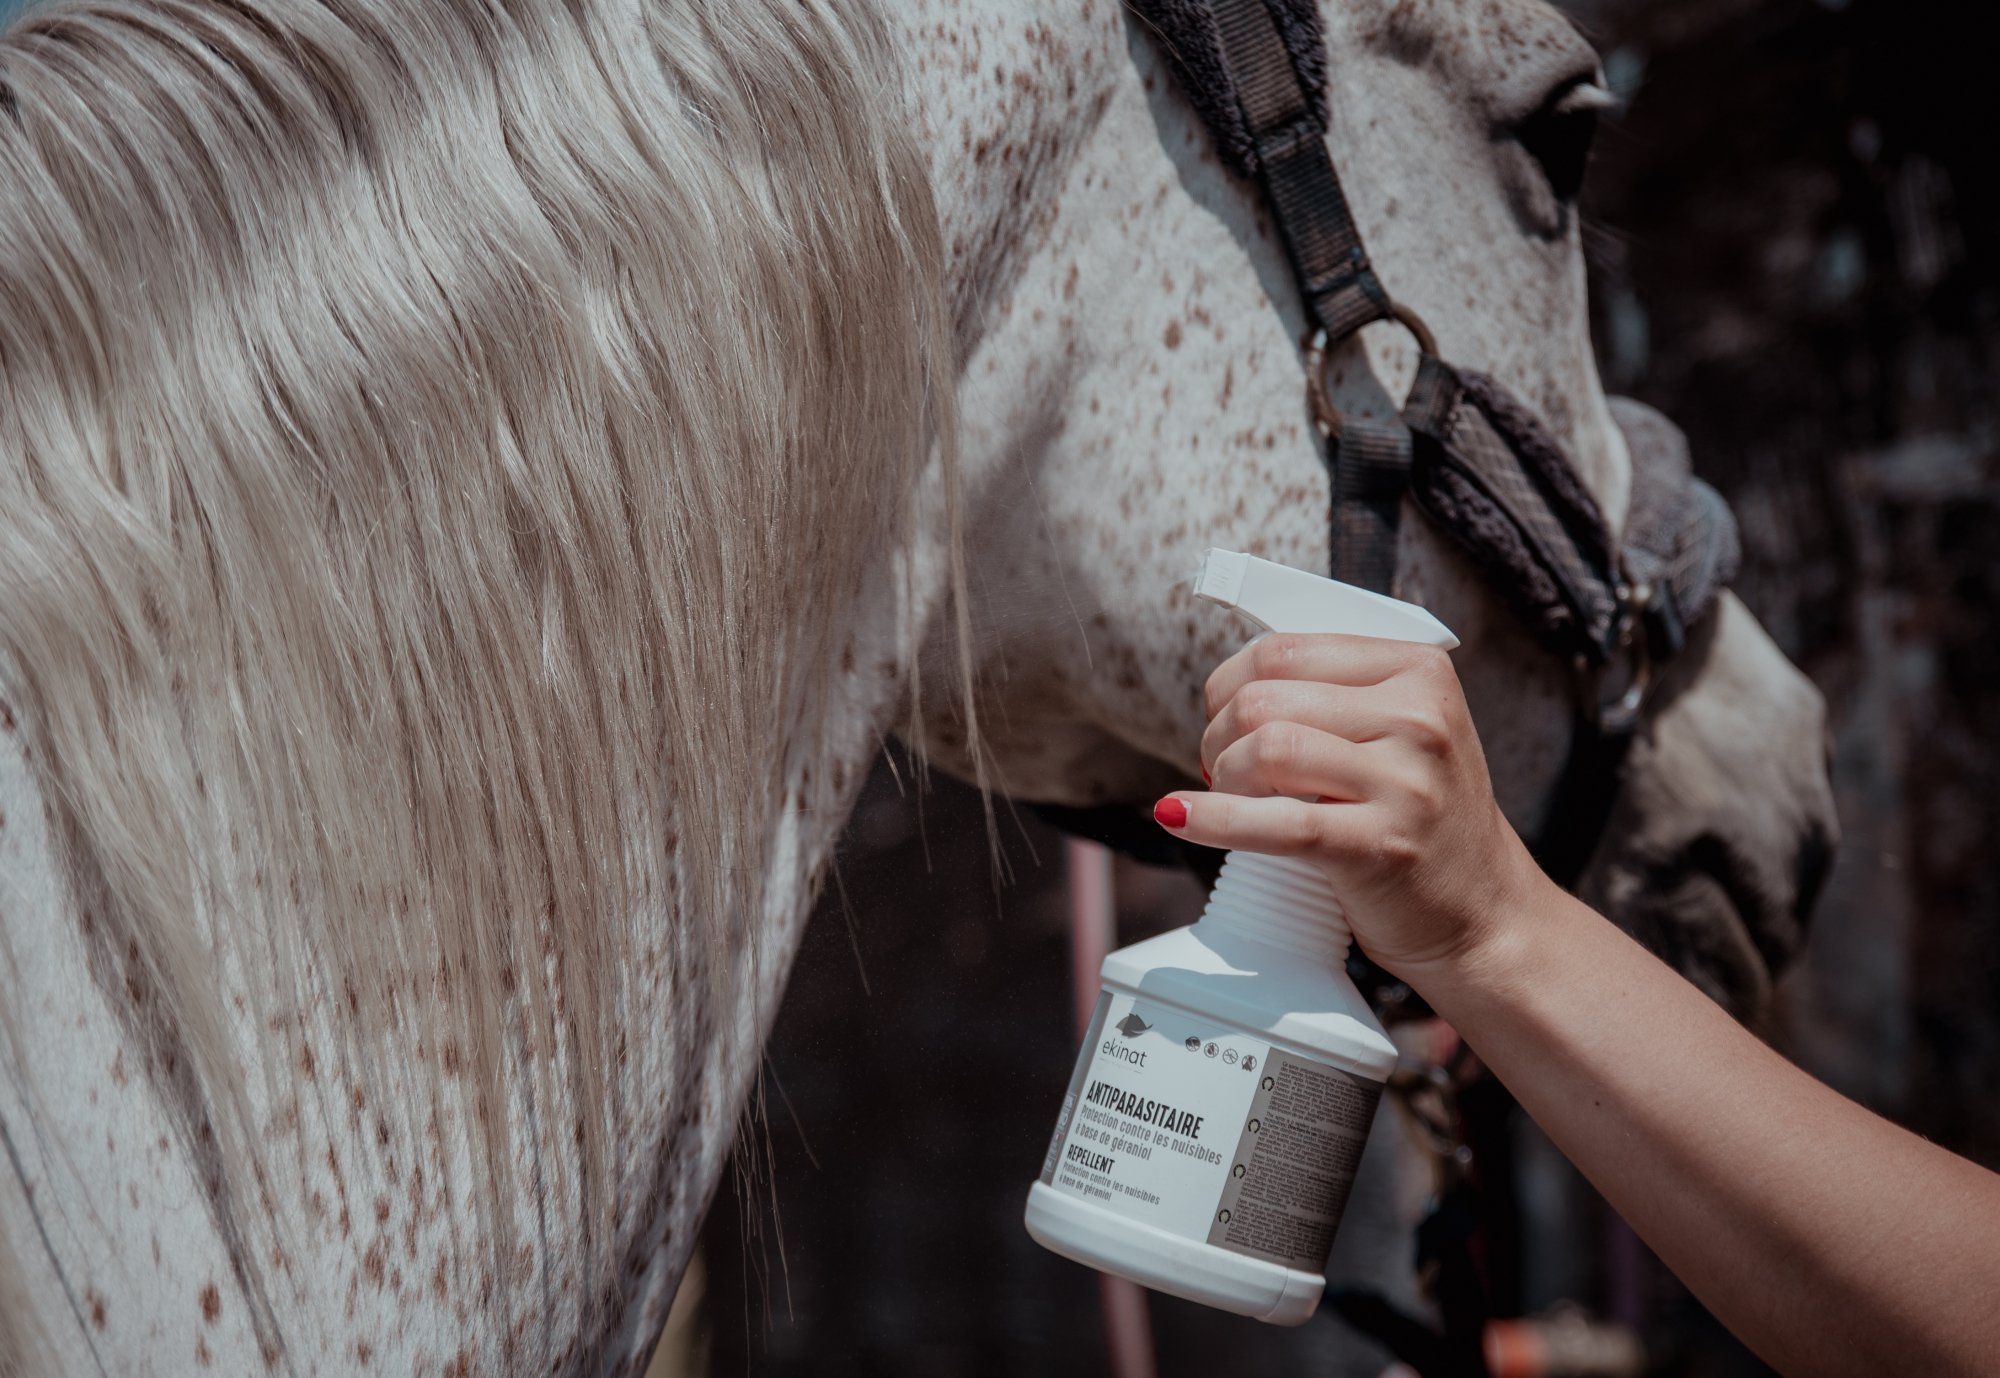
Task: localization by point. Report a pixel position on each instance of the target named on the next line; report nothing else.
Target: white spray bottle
(1231, 1071)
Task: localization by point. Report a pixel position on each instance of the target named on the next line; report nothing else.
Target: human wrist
(1500, 945)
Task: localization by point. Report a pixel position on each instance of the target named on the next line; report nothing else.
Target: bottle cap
(1281, 902)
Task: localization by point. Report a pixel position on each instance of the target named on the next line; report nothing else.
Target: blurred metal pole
(1093, 927)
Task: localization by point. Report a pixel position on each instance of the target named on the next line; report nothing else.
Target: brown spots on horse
(362, 1352)
(118, 1074)
(201, 1354)
(135, 976)
(94, 1300)
(308, 1064)
(847, 659)
(1408, 33)
(211, 1303)
(1172, 338)
(381, 1209)
(373, 1265)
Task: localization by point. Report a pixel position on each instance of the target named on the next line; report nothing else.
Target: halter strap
(1288, 135)
(1478, 461)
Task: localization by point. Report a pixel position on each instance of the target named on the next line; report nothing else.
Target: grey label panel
(1294, 1162)
(1090, 1037)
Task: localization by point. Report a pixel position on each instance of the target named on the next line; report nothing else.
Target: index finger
(1324, 657)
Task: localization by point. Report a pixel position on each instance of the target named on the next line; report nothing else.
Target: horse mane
(441, 443)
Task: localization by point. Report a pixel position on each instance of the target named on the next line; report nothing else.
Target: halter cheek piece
(1474, 457)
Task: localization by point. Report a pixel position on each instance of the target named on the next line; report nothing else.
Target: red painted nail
(1170, 813)
(1206, 778)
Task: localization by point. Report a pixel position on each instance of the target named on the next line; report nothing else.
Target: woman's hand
(1405, 825)
(1831, 1241)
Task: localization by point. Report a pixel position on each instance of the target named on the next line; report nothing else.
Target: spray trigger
(1279, 598)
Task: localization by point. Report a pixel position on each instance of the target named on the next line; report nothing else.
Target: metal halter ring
(1318, 349)
(1620, 715)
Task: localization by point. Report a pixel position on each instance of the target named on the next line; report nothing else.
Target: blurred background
(1793, 230)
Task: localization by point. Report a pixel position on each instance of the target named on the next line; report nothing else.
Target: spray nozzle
(1279, 598)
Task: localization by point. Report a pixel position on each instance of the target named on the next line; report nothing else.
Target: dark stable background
(1794, 236)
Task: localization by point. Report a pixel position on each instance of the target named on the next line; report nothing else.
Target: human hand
(1405, 824)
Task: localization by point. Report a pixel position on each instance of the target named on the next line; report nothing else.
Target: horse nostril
(1810, 868)
(1773, 916)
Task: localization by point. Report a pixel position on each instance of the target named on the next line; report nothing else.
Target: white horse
(481, 479)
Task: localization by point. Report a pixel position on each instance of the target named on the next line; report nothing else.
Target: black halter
(1477, 460)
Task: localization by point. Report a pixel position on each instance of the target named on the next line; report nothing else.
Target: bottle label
(1210, 1134)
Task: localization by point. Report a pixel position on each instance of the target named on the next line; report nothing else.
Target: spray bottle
(1231, 1070)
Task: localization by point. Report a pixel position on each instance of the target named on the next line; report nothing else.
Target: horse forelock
(443, 446)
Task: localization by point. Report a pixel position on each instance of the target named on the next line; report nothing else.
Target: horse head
(1135, 391)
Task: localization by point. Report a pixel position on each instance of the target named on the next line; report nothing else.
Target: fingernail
(1170, 813)
(1206, 778)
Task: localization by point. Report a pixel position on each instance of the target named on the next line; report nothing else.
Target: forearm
(1828, 1239)
(1831, 1241)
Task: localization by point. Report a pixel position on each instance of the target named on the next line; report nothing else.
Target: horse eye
(1558, 135)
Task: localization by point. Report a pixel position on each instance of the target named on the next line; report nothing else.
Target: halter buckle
(1613, 694)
